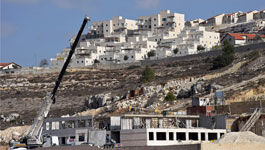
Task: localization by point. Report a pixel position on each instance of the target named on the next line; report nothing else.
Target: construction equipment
(252, 120)
(33, 136)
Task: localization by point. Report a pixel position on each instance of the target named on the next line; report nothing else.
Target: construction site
(96, 108)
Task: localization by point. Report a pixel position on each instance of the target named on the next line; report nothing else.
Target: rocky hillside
(107, 92)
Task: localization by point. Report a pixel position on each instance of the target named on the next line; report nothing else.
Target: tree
(226, 58)
(170, 97)
(176, 50)
(151, 53)
(44, 63)
(228, 48)
(147, 75)
(96, 61)
(125, 57)
(200, 48)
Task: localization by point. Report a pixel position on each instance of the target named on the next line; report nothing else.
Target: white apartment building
(108, 27)
(216, 20)
(164, 20)
(231, 18)
(125, 41)
(188, 41)
(246, 17)
(190, 38)
(194, 22)
(259, 15)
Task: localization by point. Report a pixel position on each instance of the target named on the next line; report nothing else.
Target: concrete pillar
(199, 136)
(76, 124)
(218, 135)
(206, 136)
(154, 136)
(60, 125)
(175, 136)
(187, 136)
(197, 123)
(167, 136)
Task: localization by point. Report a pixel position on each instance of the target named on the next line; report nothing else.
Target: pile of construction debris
(241, 137)
(12, 133)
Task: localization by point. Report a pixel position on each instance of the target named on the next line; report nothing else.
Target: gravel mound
(240, 137)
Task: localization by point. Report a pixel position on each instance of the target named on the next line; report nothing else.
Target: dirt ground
(23, 94)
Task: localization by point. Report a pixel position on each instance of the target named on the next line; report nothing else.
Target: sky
(32, 30)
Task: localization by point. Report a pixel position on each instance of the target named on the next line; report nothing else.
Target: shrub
(96, 61)
(170, 97)
(147, 75)
(176, 50)
(226, 58)
(151, 53)
(125, 57)
(200, 48)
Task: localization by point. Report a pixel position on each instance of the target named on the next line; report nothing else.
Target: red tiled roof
(4, 64)
(215, 16)
(239, 36)
(262, 36)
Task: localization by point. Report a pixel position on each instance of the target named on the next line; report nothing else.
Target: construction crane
(33, 136)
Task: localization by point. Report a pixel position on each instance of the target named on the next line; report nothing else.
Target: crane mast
(33, 136)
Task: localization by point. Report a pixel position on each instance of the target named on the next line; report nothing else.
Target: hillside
(23, 94)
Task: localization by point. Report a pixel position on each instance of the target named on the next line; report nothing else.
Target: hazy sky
(35, 29)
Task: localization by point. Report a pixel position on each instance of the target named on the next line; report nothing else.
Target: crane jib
(59, 79)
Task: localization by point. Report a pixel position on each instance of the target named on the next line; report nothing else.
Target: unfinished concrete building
(69, 129)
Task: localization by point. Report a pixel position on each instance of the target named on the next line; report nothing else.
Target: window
(63, 124)
(150, 26)
(101, 58)
(155, 25)
(203, 136)
(154, 19)
(221, 134)
(71, 124)
(47, 126)
(81, 123)
(160, 136)
(193, 136)
(106, 25)
(181, 136)
(132, 56)
(107, 30)
(77, 61)
(81, 137)
(162, 24)
(151, 136)
(164, 19)
(171, 136)
(89, 123)
(114, 25)
(145, 26)
(82, 61)
(212, 136)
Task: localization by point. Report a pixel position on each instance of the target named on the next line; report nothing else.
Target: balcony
(171, 20)
(140, 22)
(92, 28)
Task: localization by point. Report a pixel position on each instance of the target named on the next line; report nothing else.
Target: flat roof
(161, 116)
(69, 118)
